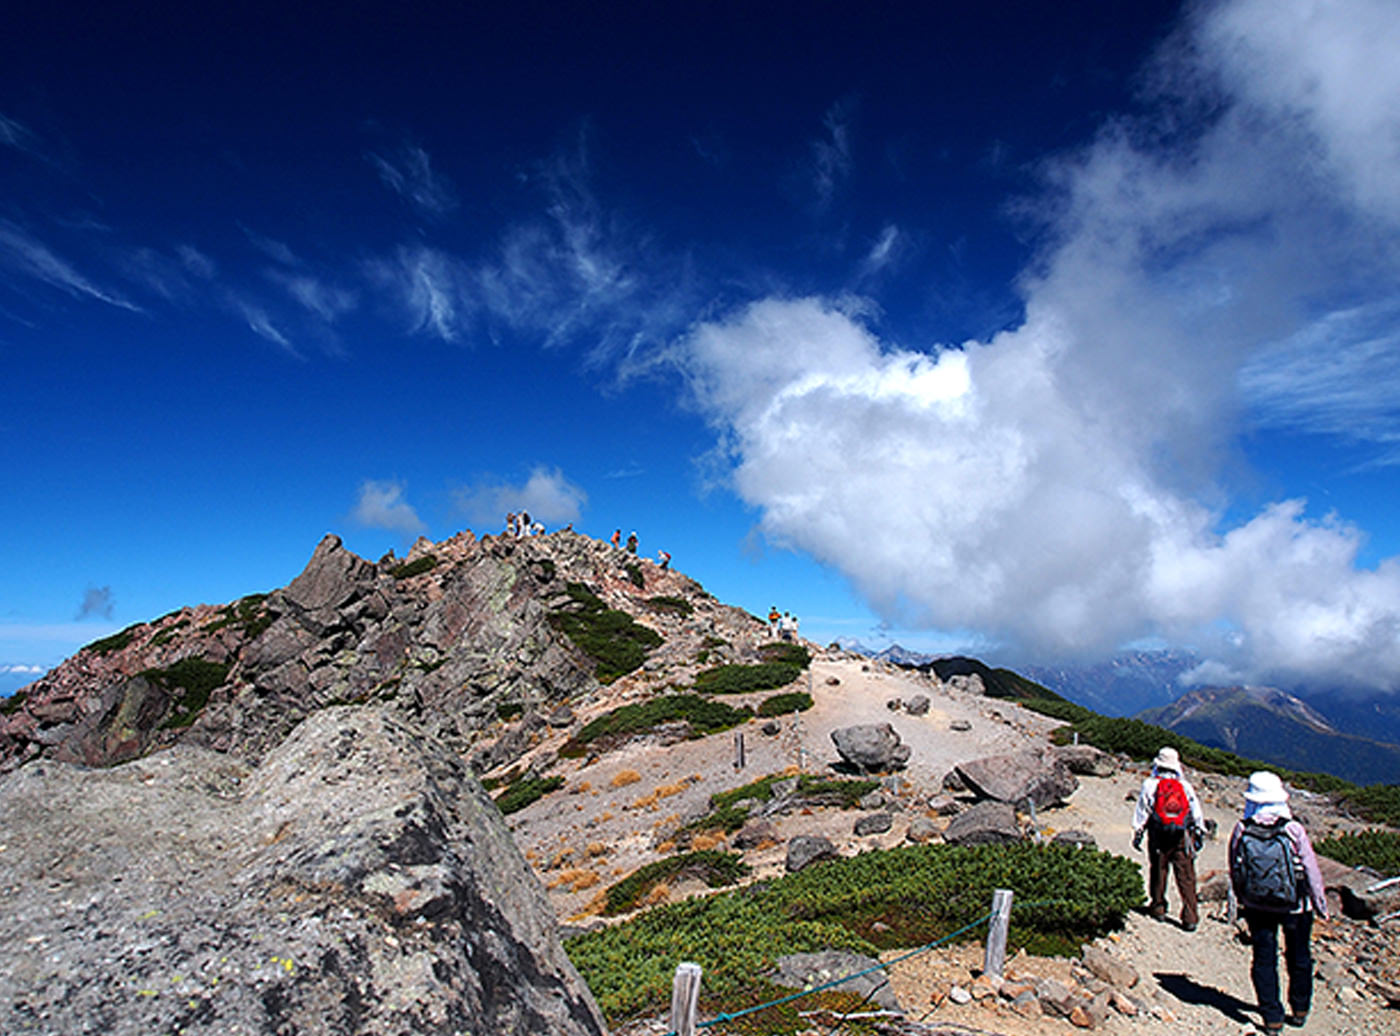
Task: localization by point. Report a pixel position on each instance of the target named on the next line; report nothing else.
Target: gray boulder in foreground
(1015, 777)
(358, 881)
(984, 824)
(871, 747)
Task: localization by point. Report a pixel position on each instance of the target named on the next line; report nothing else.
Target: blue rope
(726, 1016)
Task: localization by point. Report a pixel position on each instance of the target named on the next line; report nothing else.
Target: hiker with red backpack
(1168, 810)
(1278, 885)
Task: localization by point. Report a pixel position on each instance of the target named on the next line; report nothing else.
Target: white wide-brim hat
(1167, 759)
(1265, 787)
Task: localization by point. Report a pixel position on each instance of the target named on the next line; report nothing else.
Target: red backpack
(1171, 808)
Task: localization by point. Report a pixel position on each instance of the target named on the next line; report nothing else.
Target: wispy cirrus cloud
(17, 135)
(830, 160)
(28, 256)
(324, 300)
(409, 173)
(381, 505)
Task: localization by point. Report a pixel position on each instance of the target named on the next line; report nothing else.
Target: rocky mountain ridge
(461, 637)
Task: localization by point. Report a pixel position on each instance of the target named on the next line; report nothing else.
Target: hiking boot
(1269, 1028)
(1188, 928)
(1297, 1019)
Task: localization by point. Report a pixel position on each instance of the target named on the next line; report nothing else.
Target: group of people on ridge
(1273, 873)
(520, 525)
(783, 625)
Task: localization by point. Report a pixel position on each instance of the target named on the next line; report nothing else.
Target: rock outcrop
(357, 881)
(871, 747)
(1016, 777)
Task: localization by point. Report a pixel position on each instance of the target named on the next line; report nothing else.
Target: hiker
(663, 560)
(512, 524)
(774, 617)
(1277, 883)
(1168, 810)
(617, 537)
(524, 523)
(632, 543)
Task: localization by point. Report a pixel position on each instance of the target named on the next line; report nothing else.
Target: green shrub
(245, 614)
(725, 815)
(115, 642)
(615, 643)
(785, 652)
(168, 634)
(703, 716)
(409, 569)
(716, 869)
(190, 680)
(675, 605)
(509, 710)
(902, 897)
(711, 642)
(634, 573)
(1379, 850)
(781, 704)
(525, 791)
(741, 679)
(9, 706)
(1379, 803)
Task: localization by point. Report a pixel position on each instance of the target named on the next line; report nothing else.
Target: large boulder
(1015, 777)
(358, 881)
(984, 823)
(1086, 760)
(871, 747)
(805, 850)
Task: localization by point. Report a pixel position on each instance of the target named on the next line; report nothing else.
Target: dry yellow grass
(605, 817)
(659, 894)
(593, 908)
(667, 790)
(581, 788)
(647, 801)
(708, 840)
(597, 849)
(666, 846)
(670, 818)
(625, 777)
(573, 877)
(560, 858)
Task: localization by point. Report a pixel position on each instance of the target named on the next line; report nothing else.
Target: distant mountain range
(1277, 727)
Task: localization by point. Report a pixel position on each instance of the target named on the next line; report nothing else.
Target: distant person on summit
(1168, 810)
(632, 543)
(1274, 873)
(617, 538)
(663, 560)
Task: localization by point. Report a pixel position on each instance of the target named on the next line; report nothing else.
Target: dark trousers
(1264, 926)
(1168, 850)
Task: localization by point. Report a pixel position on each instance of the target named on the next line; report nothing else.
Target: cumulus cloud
(381, 506)
(410, 175)
(96, 603)
(1057, 486)
(21, 669)
(546, 495)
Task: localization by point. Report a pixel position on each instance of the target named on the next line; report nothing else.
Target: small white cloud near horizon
(21, 669)
(547, 495)
(381, 505)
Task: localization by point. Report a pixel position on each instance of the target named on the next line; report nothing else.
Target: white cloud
(410, 175)
(1056, 487)
(381, 506)
(31, 257)
(546, 495)
(324, 300)
(883, 251)
(23, 670)
(831, 155)
(260, 322)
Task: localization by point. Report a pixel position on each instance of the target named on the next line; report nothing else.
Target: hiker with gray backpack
(1170, 814)
(1276, 880)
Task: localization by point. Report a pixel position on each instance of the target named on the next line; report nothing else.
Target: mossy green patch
(786, 653)
(674, 605)
(726, 815)
(703, 716)
(1378, 850)
(9, 706)
(616, 644)
(634, 573)
(115, 642)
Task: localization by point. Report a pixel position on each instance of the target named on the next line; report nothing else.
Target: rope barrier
(729, 1016)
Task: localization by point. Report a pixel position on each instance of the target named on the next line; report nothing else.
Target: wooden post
(739, 750)
(995, 958)
(1232, 910)
(1076, 737)
(685, 996)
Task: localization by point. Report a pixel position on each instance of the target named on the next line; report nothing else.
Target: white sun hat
(1167, 759)
(1265, 787)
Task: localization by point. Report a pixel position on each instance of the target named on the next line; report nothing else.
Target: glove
(1198, 839)
(1137, 839)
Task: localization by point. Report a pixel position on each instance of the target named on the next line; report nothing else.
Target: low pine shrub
(1378, 850)
(785, 652)
(526, 790)
(190, 681)
(409, 569)
(902, 897)
(781, 704)
(674, 605)
(615, 643)
(115, 642)
(726, 815)
(9, 706)
(716, 869)
(634, 573)
(741, 679)
(703, 715)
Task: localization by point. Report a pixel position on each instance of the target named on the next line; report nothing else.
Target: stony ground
(614, 812)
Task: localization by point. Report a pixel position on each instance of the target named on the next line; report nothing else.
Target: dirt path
(617, 809)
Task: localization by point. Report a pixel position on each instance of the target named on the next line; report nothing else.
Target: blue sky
(1036, 329)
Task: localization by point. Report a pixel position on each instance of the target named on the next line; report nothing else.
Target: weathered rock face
(357, 881)
(871, 747)
(983, 824)
(805, 850)
(804, 970)
(1018, 776)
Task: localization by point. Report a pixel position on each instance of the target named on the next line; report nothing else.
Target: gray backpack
(1266, 867)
